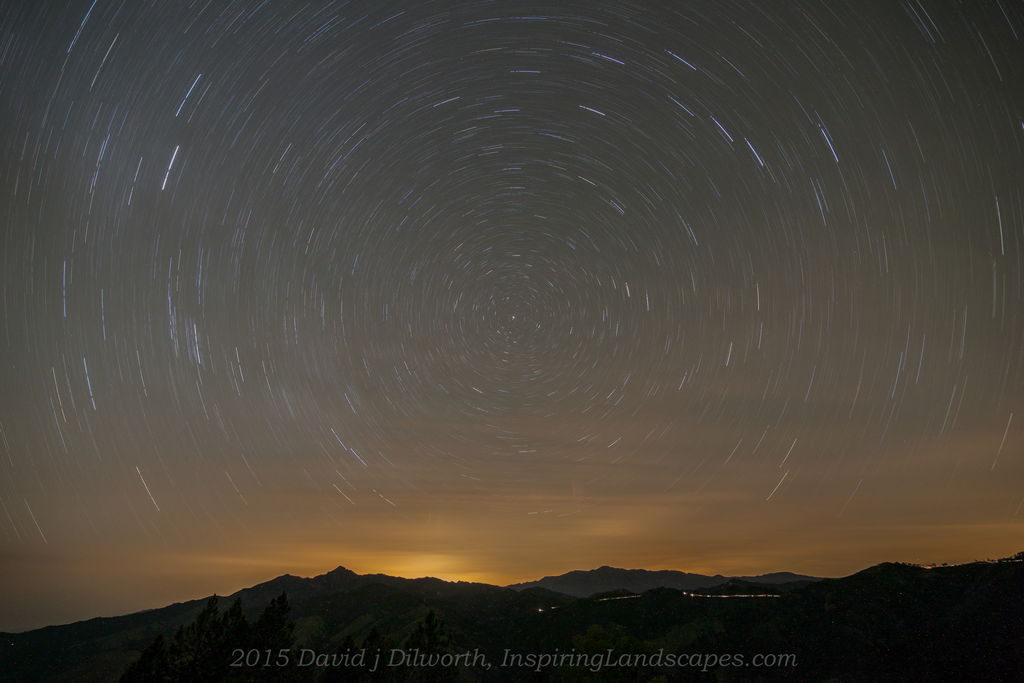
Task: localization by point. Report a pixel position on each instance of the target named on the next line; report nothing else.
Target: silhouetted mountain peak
(897, 618)
(606, 579)
(340, 571)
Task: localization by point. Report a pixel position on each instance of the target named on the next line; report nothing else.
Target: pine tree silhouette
(431, 637)
(203, 650)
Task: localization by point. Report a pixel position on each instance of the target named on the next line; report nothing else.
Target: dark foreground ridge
(891, 621)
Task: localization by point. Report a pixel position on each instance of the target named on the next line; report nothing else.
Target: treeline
(206, 649)
(224, 646)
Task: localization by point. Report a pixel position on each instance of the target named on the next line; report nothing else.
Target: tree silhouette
(152, 665)
(431, 637)
(272, 630)
(205, 649)
(194, 651)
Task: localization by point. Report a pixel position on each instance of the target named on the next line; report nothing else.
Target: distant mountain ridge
(582, 584)
(891, 621)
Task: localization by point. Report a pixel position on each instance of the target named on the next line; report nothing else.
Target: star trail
(493, 290)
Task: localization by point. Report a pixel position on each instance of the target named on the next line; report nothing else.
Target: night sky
(494, 290)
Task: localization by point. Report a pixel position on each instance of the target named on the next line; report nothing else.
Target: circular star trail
(481, 284)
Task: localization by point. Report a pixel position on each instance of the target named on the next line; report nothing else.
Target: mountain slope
(84, 650)
(887, 622)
